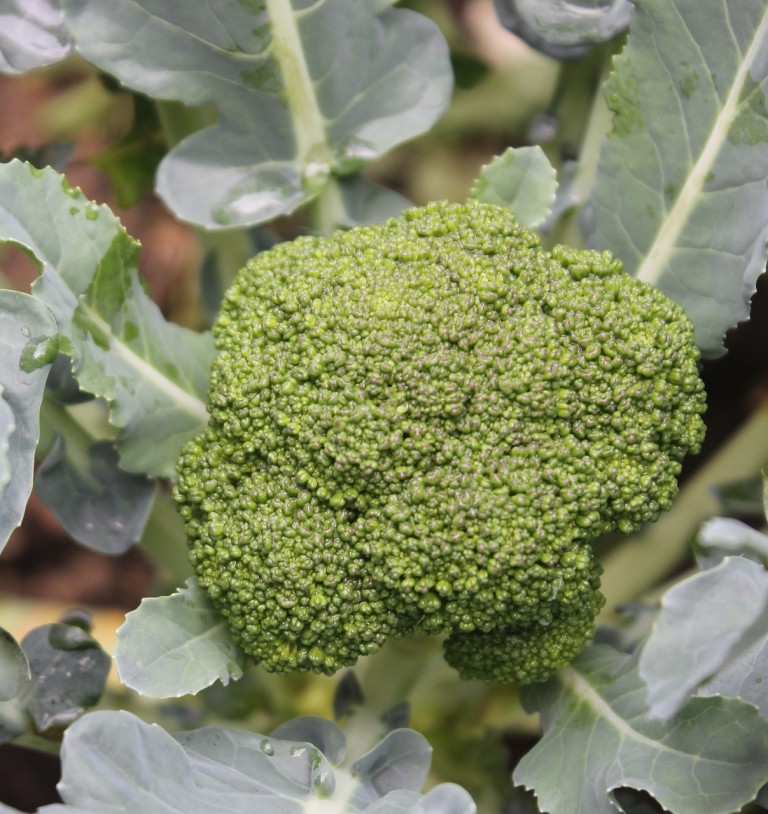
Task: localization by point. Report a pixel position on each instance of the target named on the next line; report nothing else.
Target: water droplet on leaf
(38, 353)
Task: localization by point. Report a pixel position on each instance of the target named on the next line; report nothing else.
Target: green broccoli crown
(421, 427)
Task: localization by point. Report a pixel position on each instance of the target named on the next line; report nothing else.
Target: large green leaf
(28, 341)
(175, 645)
(114, 762)
(724, 534)
(153, 374)
(704, 621)
(710, 758)
(32, 35)
(680, 194)
(303, 90)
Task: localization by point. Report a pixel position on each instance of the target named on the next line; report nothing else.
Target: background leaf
(101, 505)
(303, 90)
(32, 35)
(703, 621)
(711, 758)
(13, 720)
(521, 180)
(14, 667)
(320, 732)
(564, 29)
(69, 672)
(175, 645)
(28, 334)
(723, 536)
(400, 761)
(131, 165)
(745, 677)
(680, 194)
(364, 202)
(447, 798)
(742, 497)
(153, 374)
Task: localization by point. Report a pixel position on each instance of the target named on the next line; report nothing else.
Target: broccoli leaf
(28, 340)
(704, 620)
(101, 505)
(400, 761)
(721, 536)
(364, 202)
(523, 181)
(32, 35)
(303, 91)
(687, 213)
(741, 497)
(564, 29)
(710, 758)
(14, 667)
(176, 645)
(745, 677)
(153, 374)
(320, 732)
(113, 761)
(69, 672)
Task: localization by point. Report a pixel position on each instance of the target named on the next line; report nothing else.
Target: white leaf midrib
(656, 260)
(146, 372)
(584, 690)
(289, 53)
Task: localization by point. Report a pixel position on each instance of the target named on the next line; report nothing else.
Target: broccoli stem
(164, 540)
(78, 434)
(568, 231)
(648, 556)
(326, 212)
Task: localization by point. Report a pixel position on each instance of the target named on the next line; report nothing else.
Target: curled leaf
(564, 29)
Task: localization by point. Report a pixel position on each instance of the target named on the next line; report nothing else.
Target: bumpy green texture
(420, 427)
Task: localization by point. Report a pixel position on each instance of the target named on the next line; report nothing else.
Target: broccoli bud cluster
(421, 427)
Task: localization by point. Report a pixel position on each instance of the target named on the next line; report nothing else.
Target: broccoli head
(421, 427)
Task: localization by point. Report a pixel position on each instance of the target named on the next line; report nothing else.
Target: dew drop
(267, 748)
(26, 332)
(323, 782)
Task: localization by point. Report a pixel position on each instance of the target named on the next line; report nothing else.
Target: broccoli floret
(421, 427)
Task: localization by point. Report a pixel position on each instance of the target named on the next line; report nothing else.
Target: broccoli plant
(438, 389)
(421, 426)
